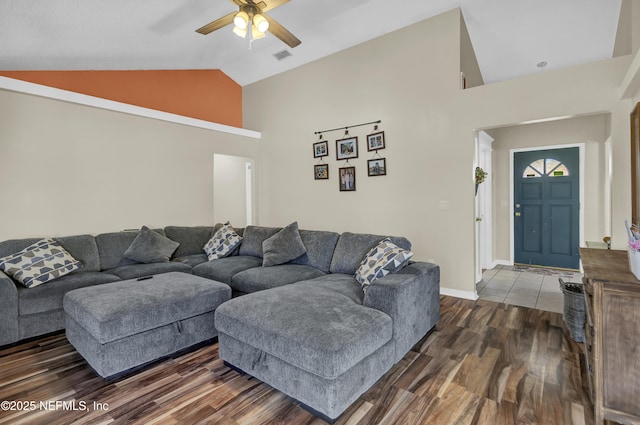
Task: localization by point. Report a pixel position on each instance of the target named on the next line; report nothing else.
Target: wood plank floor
(486, 363)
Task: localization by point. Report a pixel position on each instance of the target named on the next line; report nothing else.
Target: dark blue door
(547, 208)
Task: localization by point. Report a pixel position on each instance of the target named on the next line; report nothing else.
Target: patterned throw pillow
(39, 263)
(223, 242)
(384, 258)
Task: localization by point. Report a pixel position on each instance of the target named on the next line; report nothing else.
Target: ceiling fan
(252, 19)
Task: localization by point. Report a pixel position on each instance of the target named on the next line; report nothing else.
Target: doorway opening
(233, 194)
(591, 135)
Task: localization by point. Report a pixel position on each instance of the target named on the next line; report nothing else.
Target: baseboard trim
(467, 295)
(501, 263)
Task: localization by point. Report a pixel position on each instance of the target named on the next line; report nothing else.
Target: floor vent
(282, 55)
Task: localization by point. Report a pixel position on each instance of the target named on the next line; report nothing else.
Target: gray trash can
(573, 308)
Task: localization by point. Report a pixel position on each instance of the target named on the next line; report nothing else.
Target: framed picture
(347, 179)
(320, 149)
(347, 148)
(377, 167)
(321, 171)
(375, 141)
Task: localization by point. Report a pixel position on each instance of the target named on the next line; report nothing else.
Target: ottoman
(121, 325)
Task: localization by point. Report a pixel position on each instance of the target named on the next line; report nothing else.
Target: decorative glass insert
(545, 167)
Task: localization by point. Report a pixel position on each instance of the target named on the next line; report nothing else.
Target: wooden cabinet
(612, 335)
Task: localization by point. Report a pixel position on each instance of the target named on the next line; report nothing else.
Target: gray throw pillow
(284, 246)
(150, 247)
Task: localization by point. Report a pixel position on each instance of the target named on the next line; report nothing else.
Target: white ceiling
(509, 36)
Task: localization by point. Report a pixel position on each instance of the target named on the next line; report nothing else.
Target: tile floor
(539, 289)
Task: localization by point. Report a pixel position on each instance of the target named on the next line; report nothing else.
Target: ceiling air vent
(282, 55)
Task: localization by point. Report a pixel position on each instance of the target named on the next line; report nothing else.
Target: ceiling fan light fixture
(240, 32)
(261, 23)
(241, 20)
(256, 33)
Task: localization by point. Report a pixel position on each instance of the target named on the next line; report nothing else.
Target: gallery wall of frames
(346, 148)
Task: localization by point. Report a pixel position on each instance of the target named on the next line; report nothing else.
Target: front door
(547, 207)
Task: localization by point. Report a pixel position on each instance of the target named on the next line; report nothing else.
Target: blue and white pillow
(223, 242)
(384, 258)
(39, 263)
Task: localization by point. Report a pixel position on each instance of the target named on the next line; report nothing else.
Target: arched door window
(545, 167)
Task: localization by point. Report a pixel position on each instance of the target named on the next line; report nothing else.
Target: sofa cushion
(191, 239)
(223, 242)
(12, 246)
(84, 249)
(320, 246)
(352, 248)
(49, 297)
(283, 246)
(311, 327)
(112, 245)
(150, 247)
(253, 237)
(111, 248)
(338, 283)
(384, 258)
(39, 263)
(81, 247)
(259, 278)
(223, 269)
(192, 260)
(132, 271)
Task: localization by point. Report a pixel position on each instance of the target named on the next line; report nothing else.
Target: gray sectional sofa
(305, 327)
(28, 312)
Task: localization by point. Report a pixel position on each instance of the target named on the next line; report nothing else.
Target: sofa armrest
(8, 310)
(412, 298)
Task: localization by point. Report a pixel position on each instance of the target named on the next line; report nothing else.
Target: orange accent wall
(208, 95)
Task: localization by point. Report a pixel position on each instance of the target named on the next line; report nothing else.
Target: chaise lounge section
(325, 341)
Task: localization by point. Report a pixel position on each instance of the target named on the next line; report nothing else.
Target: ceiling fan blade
(217, 24)
(238, 2)
(281, 32)
(272, 4)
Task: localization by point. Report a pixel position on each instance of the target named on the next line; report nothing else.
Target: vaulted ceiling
(509, 37)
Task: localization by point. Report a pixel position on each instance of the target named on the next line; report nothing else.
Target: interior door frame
(483, 205)
(581, 152)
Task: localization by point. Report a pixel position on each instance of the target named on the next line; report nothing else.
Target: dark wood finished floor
(486, 363)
